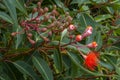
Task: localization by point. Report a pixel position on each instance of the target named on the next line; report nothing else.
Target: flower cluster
(91, 59)
(55, 25)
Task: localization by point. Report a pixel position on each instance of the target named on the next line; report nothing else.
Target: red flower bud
(71, 36)
(31, 41)
(50, 33)
(29, 35)
(44, 29)
(78, 38)
(46, 39)
(87, 32)
(89, 28)
(71, 27)
(46, 9)
(92, 45)
(91, 60)
(14, 33)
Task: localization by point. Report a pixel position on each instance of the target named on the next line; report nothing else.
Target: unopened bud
(53, 18)
(87, 32)
(78, 38)
(31, 41)
(41, 11)
(58, 23)
(71, 27)
(89, 28)
(92, 45)
(46, 17)
(34, 10)
(71, 36)
(50, 33)
(69, 19)
(46, 9)
(61, 27)
(51, 25)
(46, 39)
(13, 34)
(44, 29)
(39, 4)
(29, 35)
(54, 12)
(67, 13)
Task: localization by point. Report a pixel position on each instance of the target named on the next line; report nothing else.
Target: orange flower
(91, 60)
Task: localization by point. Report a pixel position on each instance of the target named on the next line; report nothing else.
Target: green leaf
(2, 6)
(102, 17)
(12, 11)
(9, 72)
(19, 6)
(1, 78)
(86, 20)
(74, 70)
(60, 4)
(99, 40)
(79, 2)
(25, 69)
(19, 37)
(106, 65)
(64, 32)
(118, 70)
(58, 60)
(6, 17)
(43, 68)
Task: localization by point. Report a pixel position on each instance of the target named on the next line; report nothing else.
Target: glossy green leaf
(74, 70)
(61, 5)
(1, 78)
(19, 37)
(118, 70)
(58, 60)
(12, 10)
(86, 20)
(99, 40)
(6, 17)
(25, 69)
(19, 6)
(102, 17)
(79, 2)
(2, 6)
(64, 32)
(9, 71)
(107, 65)
(43, 68)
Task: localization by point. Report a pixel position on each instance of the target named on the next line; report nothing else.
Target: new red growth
(91, 60)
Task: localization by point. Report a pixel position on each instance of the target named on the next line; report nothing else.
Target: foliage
(41, 41)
